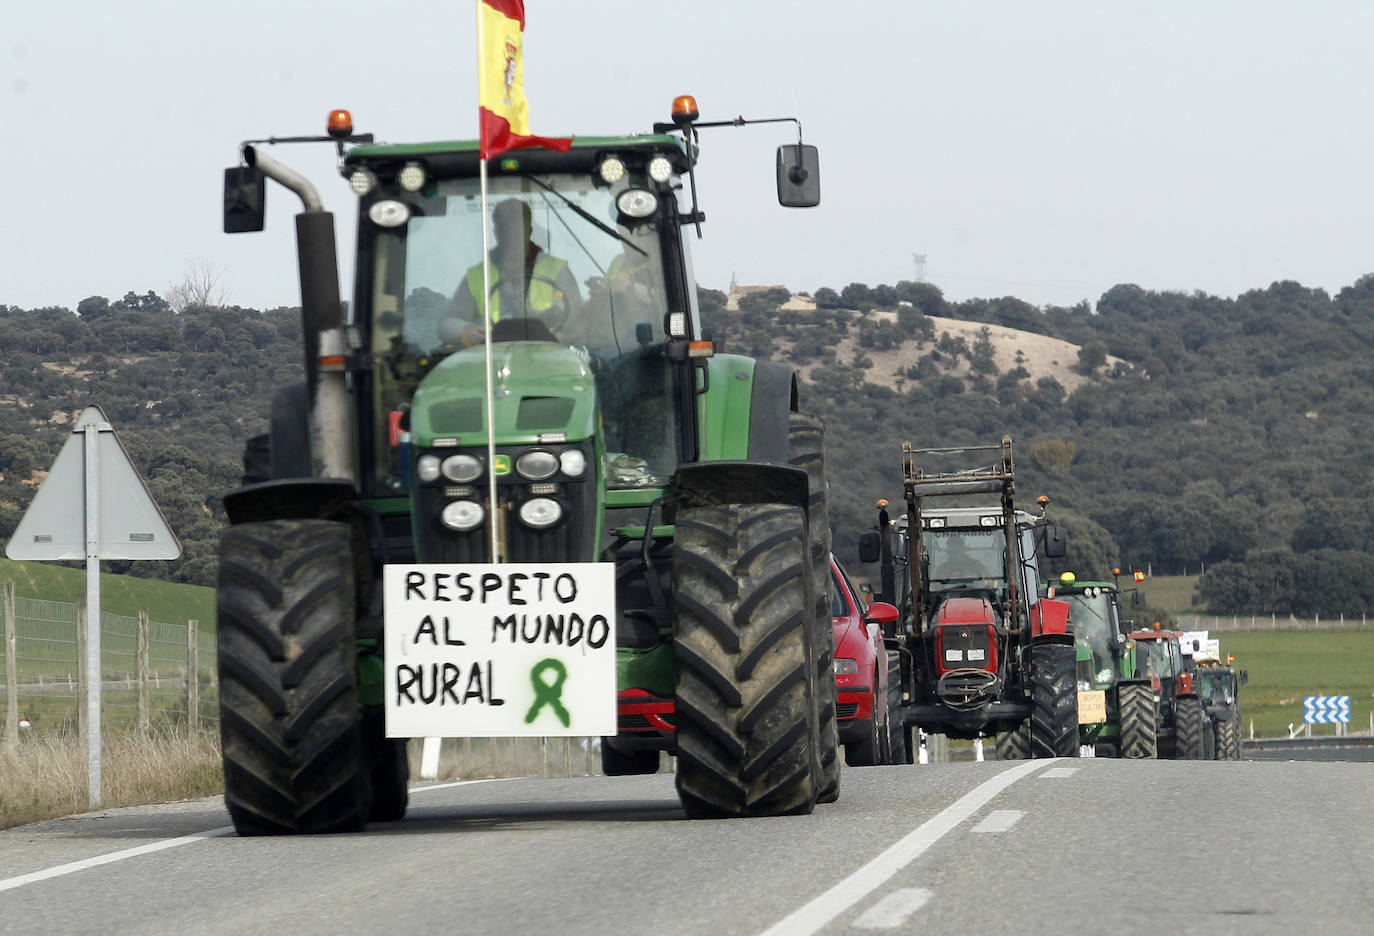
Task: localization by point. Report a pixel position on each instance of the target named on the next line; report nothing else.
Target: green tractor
(1104, 655)
(596, 425)
(1219, 688)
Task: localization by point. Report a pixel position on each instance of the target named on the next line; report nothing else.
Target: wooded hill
(1199, 429)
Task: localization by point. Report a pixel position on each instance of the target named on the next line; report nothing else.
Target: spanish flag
(504, 112)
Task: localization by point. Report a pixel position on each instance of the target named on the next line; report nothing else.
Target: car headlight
(845, 667)
(427, 467)
(537, 464)
(462, 468)
(573, 463)
(462, 515)
(540, 512)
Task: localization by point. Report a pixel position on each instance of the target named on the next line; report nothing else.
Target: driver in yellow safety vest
(533, 293)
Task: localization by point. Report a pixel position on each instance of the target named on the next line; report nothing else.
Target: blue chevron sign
(1326, 710)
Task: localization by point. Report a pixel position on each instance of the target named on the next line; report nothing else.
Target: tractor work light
(388, 213)
(462, 515)
(462, 468)
(636, 203)
(989, 521)
(677, 324)
(936, 523)
(611, 170)
(573, 463)
(537, 465)
(845, 667)
(660, 169)
(362, 181)
(412, 177)
(427, 467)
(540, 513)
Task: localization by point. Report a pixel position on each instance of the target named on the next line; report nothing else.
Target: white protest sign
(1187, 638)
(508, 650)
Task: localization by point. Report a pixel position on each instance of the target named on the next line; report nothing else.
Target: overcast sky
(1046, 150)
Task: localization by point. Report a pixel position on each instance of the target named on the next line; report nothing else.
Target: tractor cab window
(959, 558)
(1161, 663)
(1092, 623)
(1216, 686)
(553, 276)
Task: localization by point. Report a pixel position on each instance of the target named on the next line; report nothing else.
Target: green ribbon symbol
(548, 693)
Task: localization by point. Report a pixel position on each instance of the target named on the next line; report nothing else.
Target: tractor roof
(460, 157)
(1155, 635)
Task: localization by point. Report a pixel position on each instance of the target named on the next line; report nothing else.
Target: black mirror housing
(245, 200)
(1056, 541)
(1244, 677)
(870, 546)
(1137, 598)
(799, 176)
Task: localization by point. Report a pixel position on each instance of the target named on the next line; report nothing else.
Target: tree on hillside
(1091, 356)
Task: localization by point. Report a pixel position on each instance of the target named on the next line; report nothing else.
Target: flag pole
(494, 514)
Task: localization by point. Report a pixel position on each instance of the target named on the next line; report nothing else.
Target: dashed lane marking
(816, 913)
(999, 820)
(894, 909)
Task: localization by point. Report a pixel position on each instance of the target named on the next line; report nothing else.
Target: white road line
(892, 911)
(812, 916)
(1058, 773)
(999, 820)
(73, 866)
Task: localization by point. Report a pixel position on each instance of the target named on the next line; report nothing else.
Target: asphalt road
(1065, 846)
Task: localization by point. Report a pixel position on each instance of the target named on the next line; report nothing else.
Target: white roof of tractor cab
(963, 518)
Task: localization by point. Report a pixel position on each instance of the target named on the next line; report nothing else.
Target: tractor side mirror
(884, 614)
(1056, 541)
(1137, 599)
(870, 547)
(1244, 677)
(799, 176)
(245, 200)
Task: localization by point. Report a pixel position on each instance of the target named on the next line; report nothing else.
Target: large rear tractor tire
(627, 763)
(290, 724)
(1139, 721)
(742, 604)
(1014, 745)
(1054, 700)
(1228, 739)
(1189, 718)
(806, 450)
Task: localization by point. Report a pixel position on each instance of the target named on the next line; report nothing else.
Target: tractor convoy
(482, 416)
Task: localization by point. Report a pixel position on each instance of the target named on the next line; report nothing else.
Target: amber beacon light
(340, 123)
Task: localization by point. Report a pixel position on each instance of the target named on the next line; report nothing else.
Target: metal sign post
(93, 505)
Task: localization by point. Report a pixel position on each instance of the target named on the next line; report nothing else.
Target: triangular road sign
(131, 525)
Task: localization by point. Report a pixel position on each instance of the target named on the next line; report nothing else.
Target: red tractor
(1161, 712)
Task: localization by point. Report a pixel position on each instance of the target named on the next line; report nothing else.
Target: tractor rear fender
(743, 409)
(1051, 638)
(1050, 616)
(711, 484)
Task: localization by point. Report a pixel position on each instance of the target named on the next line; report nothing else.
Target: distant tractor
(1104, 656)
(572, 411)
(1161, 712)
(1219, 686)
(981, 653)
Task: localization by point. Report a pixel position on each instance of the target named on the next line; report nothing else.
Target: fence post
(83, 678)
(192, 677)
(143, 671)
(11, 671)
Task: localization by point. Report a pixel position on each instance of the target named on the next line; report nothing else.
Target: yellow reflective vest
(541, 292)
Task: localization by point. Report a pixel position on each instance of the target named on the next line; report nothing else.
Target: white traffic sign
(129, 523)
(500, 650)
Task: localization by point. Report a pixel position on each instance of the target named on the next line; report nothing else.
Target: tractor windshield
(1092, 622)
(1217, 686)
(1157, 657)
(961, 557)
(561, 270)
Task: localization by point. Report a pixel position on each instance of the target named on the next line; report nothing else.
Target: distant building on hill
(738, 292)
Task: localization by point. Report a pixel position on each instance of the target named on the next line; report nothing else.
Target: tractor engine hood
(541, 388)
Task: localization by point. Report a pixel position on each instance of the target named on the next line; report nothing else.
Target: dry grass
(45, 777)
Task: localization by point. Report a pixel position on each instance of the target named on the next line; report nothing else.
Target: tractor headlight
(412, 177)
(660, 169)
(427, 467)
(388, 213)
(637, 203)
(362, 181)
(573, 463)
(845, 667)
(462, 515)
(462, 468)
(611, 170)
(540, 512)
(537, 464)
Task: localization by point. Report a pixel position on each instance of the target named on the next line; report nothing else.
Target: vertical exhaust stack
(331, 429)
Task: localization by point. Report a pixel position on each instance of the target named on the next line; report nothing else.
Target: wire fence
(153, 675)
(1269, 622)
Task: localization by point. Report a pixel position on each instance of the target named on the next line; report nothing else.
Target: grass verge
(45, 777)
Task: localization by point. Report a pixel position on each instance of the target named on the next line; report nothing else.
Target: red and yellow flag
(504, 112)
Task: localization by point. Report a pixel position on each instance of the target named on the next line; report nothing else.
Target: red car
(647, 722)
(860, 673)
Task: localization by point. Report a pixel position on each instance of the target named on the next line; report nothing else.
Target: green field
(119, 594)
(1173, 593)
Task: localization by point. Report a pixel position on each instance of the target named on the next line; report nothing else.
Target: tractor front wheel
(899, 737)
(290, 725)
(1054, 701)
(742, 604)
(1228, 739)
(1139, 721)
(1189, 718)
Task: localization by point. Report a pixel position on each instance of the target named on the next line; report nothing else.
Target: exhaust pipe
(331, 429)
